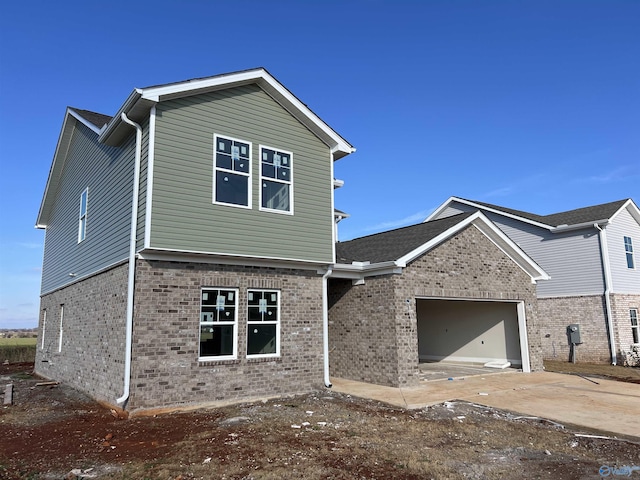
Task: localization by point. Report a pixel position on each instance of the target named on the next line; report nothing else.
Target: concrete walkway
(608, 406)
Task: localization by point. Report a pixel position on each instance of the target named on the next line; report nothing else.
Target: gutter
(325, 326)
(132, 260)
(604, 251)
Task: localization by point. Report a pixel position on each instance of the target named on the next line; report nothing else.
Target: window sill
(264, 359)
(207, 361)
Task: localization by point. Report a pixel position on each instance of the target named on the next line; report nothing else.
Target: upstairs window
(263, 326)
(628, 249)
(82, 217)
(232, 172)
(276, 180)
(218, 324)
(634, 325)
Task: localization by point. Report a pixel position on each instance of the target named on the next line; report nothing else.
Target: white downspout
(325, 326)
(132, 259)
(604, 249)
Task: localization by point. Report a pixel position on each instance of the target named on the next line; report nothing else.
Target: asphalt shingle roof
(394, 244)
(98, 119)
(570, 217)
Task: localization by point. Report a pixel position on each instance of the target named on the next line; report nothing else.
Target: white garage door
(468, 331)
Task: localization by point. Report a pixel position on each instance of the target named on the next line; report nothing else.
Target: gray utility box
(573, 332)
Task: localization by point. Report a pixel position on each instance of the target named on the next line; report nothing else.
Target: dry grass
(614, 372)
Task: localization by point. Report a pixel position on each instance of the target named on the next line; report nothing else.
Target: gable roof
(577, 218)
(141, 100)
(389, 252)
(394, 244)
(113, 130)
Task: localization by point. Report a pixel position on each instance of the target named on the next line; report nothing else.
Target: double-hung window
(232, 172)
(628, 250)
(633, 313)
(218, 324)
(263, 325)
(82, 217)
(276, 181)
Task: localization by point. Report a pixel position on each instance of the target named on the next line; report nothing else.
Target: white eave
(59, 157)
(361, 270)
(141, 100)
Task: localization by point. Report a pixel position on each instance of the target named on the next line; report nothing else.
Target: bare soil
(55, 432)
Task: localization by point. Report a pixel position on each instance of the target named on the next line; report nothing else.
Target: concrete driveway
(607, 406)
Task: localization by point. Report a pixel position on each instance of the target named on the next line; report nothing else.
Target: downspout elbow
(325, 326)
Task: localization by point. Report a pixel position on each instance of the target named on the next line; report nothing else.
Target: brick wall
(620, 306)
(556, 314)
(93, 337)
(376, 328)
(166, 370)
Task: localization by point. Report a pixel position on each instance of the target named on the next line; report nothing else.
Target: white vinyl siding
(624, 279)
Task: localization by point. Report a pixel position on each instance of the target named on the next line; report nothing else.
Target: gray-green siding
(108, 173)
(183, 215)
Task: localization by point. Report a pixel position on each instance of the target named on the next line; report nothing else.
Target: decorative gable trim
(359, 270)
(632, 208)
(142, 99)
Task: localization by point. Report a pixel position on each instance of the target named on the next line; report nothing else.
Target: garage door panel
(467, 331)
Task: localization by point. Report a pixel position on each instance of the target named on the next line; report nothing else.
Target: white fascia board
(422, 249)
(116, 120)
(226, 259)
(58, 162)
(492, 210)
(339, 146)
(437, 211)
(85, 122)
(632, 208)
(567, 228)
(509, 248)
(358, 270)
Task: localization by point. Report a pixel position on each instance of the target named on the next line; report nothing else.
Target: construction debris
(8, 394)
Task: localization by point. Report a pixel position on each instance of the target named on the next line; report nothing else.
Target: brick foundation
(166, 370)
(92, 354)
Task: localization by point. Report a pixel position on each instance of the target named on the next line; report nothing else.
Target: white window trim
(61, 329)
(290, 182)
(277, 323)
(217, 358)
(44, 327)
(82, 226)
(633, 313)
(249, 175)
(627, 253)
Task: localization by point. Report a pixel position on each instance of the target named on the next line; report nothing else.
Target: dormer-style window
(232, 172)
(628, 249)
(82, 217)
(276, 180)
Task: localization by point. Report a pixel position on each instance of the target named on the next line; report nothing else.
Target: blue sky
(534, 105)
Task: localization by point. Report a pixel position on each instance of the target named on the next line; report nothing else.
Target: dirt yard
(54, 432)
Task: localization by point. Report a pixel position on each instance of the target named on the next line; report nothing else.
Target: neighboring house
(591, 256)
(456, 289)
(187, 243)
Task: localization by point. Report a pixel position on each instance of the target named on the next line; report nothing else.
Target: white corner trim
(150, 163)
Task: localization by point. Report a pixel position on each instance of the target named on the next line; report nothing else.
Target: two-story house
(590, 255)
(187, 243)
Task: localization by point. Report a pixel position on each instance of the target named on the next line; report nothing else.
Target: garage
(470, 332)
(451, 290)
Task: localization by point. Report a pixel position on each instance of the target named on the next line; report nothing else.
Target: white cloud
(401, 222)
(617, 174)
